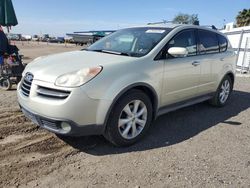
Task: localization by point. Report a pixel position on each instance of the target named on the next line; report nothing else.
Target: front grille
(52, 93)
(26, 84)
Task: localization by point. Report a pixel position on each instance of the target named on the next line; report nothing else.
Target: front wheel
(130, 119)
(223, 92)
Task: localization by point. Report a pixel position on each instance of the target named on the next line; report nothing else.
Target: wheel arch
(144, 87)
(231, 75)
(223, 75)
(214, 101)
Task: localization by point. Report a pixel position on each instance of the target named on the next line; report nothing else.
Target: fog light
(65, 126)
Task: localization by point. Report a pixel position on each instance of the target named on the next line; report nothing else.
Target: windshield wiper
(110, 52)
(116, 53)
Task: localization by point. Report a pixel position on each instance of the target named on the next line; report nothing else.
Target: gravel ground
(198, 146)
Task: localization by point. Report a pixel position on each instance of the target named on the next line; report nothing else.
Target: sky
(58, 17)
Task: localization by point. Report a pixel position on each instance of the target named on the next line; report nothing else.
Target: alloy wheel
(133, 119)
(224, 91)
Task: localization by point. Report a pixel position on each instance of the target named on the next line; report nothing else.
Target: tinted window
(223, 43)
(208, 42)
(185, 39)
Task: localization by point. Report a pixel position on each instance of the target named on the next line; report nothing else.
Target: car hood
(49, 68)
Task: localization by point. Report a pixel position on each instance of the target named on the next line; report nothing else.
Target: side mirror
(178, 51)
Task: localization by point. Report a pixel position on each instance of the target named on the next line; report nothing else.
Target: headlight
(78, 78)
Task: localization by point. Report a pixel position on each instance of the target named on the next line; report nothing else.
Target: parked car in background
(12, 36)
(121, 83)
(26, 37)
(45, 38)
(56, 40)
(69, 39)
(35, 38)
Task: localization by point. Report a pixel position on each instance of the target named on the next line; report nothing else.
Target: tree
(186, 19)
(243, 18)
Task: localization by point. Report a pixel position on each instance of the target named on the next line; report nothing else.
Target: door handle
(196, 63)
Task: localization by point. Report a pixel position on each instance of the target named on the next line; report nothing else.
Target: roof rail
(166, 21)
(212, 26)
(162, 22)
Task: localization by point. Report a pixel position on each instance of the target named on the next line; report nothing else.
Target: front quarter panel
(115, 79)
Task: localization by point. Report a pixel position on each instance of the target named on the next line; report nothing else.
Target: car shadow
(171, 128)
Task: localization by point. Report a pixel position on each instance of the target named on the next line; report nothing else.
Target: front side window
(185, 39)
(135, 42)
(208, 42)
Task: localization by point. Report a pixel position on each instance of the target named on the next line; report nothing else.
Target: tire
(5, 84)
(223, 92)
(134, 112)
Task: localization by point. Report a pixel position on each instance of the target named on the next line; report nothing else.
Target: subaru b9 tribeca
(120, 84)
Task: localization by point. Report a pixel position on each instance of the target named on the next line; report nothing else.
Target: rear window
(223, 43)
(208, 42)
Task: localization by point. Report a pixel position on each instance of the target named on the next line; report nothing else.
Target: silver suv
(120, 84)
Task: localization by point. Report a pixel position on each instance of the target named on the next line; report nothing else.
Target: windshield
(135, 42)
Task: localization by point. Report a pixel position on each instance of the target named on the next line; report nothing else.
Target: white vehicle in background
(35, 38)
(12, 36)
(26, 37)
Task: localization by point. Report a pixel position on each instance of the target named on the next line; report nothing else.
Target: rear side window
(208, 42)
(223, 43)
(185, 39)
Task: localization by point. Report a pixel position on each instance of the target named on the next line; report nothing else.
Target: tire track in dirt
(14, 122)
(37, 153)
(26, 148)
(28, 152)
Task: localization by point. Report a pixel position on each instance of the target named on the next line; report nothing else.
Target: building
(88, 37)
(240, 40)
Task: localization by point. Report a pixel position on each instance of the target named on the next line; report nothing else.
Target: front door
(181, 74)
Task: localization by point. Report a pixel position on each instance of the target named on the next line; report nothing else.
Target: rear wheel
(5, 84)
(130, 119)
(223, 92)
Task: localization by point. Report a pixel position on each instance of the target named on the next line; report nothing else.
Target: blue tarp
(1, 60)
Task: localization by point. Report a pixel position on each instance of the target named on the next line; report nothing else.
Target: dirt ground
(198, 146)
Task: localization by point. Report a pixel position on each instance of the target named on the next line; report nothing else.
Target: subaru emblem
(29, 77)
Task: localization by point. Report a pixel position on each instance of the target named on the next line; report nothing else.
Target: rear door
(208, 50)
(224, 60)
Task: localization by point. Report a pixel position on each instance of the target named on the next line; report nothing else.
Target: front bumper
(54, 125)
(86, 116)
